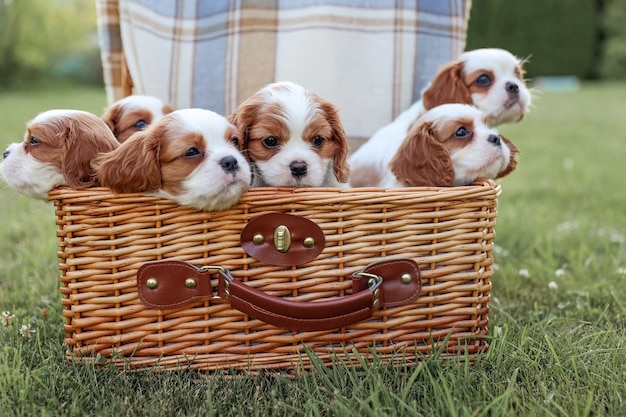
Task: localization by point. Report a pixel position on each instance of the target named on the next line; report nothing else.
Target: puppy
(134, 113)
(449, 145)
(58, 148)
(189, 156)
(490, 79)
(292, 138)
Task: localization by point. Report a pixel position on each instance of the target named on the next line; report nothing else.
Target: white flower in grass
(524, 272)
(553, 285)
(6, 318)
(499, 250)
(567, 226)
(560, 272)
(568, 163)
(621, 271)
(26, 331)
(613, 235)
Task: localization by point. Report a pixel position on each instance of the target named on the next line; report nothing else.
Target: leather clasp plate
(282, 239)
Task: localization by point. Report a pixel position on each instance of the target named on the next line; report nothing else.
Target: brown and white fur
(292, 138)
(57, 149)
(189, 156)
(449, 145)
(491, 79)
(134, 113)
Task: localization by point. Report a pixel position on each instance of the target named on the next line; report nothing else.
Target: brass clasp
(282, 238)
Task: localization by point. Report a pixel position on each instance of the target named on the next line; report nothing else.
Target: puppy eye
(34, 141)
(518, 74)
(462, 132)
(234, 140)
(317, 141)
(191, 152)
(270, 142)
(483, 80)
(140, 125)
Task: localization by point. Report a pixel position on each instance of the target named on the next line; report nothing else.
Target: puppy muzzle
(229, 164)
(495, 140)
(298, 168)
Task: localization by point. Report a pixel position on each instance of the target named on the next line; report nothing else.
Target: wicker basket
(105, 238)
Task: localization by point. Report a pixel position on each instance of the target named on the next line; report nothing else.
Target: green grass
(558, 309)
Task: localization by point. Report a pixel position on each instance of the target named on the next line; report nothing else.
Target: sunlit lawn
(558, 309)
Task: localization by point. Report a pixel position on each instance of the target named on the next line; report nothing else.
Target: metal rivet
(376, 304)
(376, 292)
(370, 282)
(308, 242)
(152, 283)
(191, 283)
(406, 278)
(258, 239)
(282, 238)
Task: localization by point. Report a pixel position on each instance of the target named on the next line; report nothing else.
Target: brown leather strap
(305, 239)
(171, 284)
(302, 316)
(402, 281)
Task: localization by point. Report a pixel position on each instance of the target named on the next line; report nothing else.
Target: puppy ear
(448, 86)
(364, 176)
(84, 139)
(512, 159)
(134, 166)
(341, 169)
(110, 117)
(167, 108)
(422, 161)
(242, 118)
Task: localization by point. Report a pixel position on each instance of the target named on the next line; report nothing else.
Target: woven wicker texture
(105, 237)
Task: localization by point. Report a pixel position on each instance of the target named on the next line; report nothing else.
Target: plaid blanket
(369, 57)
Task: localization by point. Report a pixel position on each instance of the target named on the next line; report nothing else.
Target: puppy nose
(298, 168)
(512, 88)
(5, 154)
(229, 164)
(495, 139)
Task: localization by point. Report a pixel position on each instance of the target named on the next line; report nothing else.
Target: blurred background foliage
(48, 40)
(51, 40)
(584, 38)
(560, 37)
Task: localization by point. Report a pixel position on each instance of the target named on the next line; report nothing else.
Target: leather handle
(302, 316)
(169, 284)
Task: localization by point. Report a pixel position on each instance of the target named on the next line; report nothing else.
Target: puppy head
(134, 113)
(188, 156)
(58, 148)
(451, 145)
(293, 137)
(491, 79)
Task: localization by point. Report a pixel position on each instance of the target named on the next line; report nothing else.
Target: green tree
(613, 62)
(36, 35)
(561, 37)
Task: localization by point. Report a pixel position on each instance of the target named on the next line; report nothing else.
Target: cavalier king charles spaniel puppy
(134, 113)
(189, 156)
(449, 145)
(491, 79)
(58, 149)
(292, 138)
